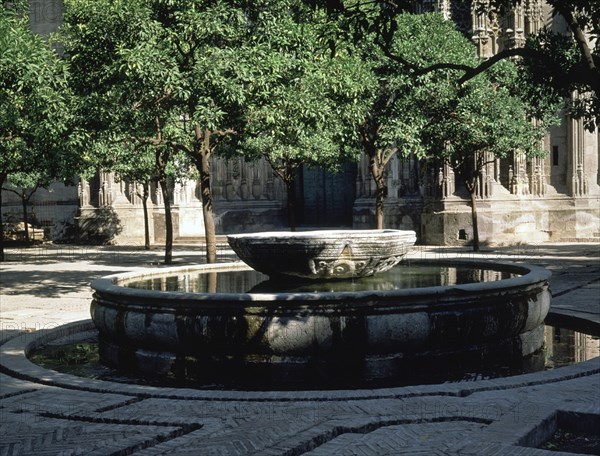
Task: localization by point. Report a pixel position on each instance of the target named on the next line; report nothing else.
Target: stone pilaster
(576, 174)
(518, 178)
(446, 181)
(481, 28)
(83, 192)
(537, 178)
(444, 7)
(514, 27)
(105, 196)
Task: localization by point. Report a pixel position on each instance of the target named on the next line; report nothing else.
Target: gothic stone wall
(511, 222)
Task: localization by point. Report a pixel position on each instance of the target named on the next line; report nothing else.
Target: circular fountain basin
(316, 337)
(323, 254)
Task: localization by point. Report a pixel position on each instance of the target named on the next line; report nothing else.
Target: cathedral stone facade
(556, 198)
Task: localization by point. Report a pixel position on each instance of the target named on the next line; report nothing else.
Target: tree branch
(276, 168)
(227, 131)
(386, 157)
(471, 72)
(582, 43)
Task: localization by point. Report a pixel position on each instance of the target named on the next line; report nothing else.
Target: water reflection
(399, 277)
(562, 347)
(565, 346)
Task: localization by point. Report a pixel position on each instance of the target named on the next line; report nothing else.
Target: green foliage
(551, 67)
(126, 80)
(149, 72)
(396, 110)
(203, 77)
(303, 104)
(486, 115)
(66, 355)
(430, 114)
(37, 129)
(555, 69)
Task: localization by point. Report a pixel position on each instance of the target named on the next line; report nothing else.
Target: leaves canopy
(575, 68)
(398, 104)
(200, 75)
(38, 138)
(304, 105)
(486, 119)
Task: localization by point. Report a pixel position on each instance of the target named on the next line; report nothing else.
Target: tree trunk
(146, 221)
(203, 138)
(290, 185)
(2, 179)
(168, 222)
(379, 196)
(377, 173)
(25, 216)
(474, 218)
(211, 282)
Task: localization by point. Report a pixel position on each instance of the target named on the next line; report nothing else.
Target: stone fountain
(322, 255)
(300, 328)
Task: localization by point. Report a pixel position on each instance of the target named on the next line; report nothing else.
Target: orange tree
(39, 141)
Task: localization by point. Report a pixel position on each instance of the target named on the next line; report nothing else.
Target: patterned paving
(52, 415)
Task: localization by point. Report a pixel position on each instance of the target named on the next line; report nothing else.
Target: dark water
(399, 277)
(562, 347)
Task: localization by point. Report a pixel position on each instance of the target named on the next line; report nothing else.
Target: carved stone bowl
(322, 254)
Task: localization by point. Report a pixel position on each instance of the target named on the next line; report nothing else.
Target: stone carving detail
(270, 186)
(514, 28)
(534, 17)
(347, 267)
(238, 180)
(401, 178)
(579, 180)
(481, 29)
(519, 181)
(460, 13)
(230, 185)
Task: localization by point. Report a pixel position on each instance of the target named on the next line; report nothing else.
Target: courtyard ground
(45, 413)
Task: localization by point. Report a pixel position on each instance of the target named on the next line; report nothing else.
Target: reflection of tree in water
(397, 278)
(203, 282)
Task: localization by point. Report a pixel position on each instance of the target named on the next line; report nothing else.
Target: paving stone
(472, 418)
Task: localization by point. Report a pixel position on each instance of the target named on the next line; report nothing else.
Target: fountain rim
(111, 284)
(325, 234)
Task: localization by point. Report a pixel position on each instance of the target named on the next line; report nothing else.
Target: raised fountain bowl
(220, 326)
(322, 254)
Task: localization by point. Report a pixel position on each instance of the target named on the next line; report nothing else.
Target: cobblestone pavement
(46, 413)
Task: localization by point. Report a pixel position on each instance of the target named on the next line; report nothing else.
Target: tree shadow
(99, 227)
(55, 283)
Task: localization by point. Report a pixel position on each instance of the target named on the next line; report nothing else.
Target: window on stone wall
(554, 155)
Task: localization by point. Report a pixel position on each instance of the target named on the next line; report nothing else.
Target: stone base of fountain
(317, 337)
(342, 370)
